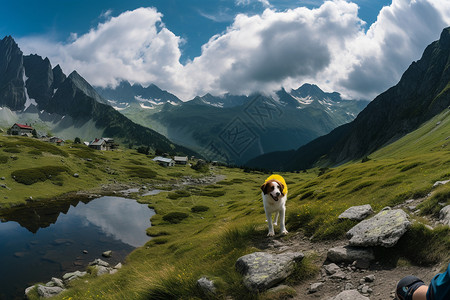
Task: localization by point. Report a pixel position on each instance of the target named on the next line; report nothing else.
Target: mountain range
(235, 128)
(31, 91)
(422, 92)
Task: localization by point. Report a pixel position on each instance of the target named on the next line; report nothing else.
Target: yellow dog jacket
(280, 179)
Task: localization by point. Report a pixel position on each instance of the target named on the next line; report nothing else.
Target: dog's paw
(284, 232)
(271, 234)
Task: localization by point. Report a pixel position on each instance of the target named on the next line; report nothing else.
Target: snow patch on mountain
(29, 101)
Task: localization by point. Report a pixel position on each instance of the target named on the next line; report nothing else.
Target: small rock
(73, 275)
(99, 262)
(85, 252)
(339, 275)
(207, 286)
(107, 254)
(315, 287)
(357, 213)
(28, 290)
(118, 266)
(350, 295)
(101, 270)
(331, 268)
(369, 278)
(349, 254)
(58, 282)
(76, 175)
(48, 291)
(2, 178)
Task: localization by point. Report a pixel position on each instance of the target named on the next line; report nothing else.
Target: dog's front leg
(269, 222)
(282, 217)
(277, 213)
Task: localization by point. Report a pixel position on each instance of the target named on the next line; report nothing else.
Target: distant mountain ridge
(422, 92)
(34, 91)
(295, 117)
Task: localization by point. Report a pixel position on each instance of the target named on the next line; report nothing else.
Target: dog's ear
(264, 188)
(281, 187)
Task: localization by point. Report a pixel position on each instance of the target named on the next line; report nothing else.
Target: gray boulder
(384, 229)
(99, 262)
(107, 254)
(350, 295)
(348, 254)
(331, 268)
(262, 270)
(357, 213)
(444, 215)
(48, 291)
(207, 286)
(73, 275)
(101, 270)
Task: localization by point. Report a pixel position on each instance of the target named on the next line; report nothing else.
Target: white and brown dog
(274, 194)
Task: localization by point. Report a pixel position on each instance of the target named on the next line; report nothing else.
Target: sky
(358, 48)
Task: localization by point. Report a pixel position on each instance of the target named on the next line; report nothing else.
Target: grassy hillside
(202, 230)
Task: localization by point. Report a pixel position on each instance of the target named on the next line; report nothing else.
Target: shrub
(178, 194)
(33, 175)
(3, 159)
(199, 208)
(201, 166)
(11, 150)
(175, 217)
(141, 172)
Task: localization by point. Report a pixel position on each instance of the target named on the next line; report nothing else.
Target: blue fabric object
(439, 288)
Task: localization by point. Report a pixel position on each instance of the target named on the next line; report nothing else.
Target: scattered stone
(107, 254)
(365, 289)
(357, 213)
(48, 291)
(101, 270)
(56, 282)
(331, 268)
(444, 215)
(339, 275)
(409, 201)
(350, 295)
(76, 175)
(85, 252)
(28, 290)
(348, 286)
(384, 229)
(73, 275)
(207, 286)
(2, 178)
(118, 266)
(438, 183)
(361, 257)
(369, 278)
(315, 287)
(99, 262)
(264, 270)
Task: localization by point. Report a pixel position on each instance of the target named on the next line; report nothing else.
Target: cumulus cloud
(327, 45)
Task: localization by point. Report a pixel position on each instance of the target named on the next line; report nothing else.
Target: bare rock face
(357, 213)
(444, 215)
(384, 229)
(263, 270)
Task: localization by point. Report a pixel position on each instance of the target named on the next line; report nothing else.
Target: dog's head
(274, 188)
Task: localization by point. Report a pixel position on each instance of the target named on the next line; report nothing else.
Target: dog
(274, 195)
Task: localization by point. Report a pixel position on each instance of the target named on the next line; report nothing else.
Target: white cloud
(327, 46)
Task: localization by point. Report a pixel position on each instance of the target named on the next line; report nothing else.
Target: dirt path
(386, 277)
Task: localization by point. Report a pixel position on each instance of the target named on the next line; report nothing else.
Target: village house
(56, 140)
(103, 144)
(181, 160)
(165, 162)
(20, 129)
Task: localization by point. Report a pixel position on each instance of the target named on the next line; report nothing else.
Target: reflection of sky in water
(117, 218)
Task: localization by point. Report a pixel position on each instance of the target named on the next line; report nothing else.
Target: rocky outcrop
(444, 215)
(357, 213)
(263, 270)
(384, 229)
(48, 291)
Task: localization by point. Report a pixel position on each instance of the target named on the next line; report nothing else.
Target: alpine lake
(41, 241)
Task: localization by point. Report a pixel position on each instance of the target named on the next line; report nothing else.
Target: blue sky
(237, 46)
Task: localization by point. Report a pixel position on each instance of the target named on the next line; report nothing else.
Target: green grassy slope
(208, 242)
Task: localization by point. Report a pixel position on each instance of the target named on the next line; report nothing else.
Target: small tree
(34, 133)
(77, 140)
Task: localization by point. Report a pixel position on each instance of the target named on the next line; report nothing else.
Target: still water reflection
(40, 242)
